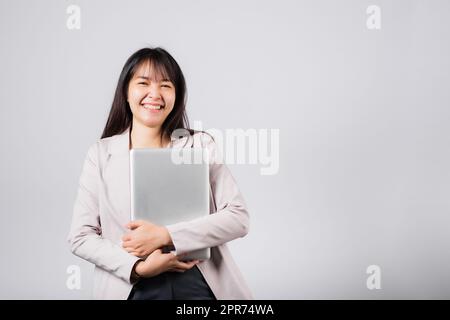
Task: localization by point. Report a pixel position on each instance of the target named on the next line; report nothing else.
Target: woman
(148, 106)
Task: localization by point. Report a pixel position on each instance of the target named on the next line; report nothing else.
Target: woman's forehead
(152, 71)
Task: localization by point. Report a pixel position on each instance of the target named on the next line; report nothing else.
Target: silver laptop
(170, 185)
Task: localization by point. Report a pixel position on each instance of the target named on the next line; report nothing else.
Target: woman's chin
(151, 123)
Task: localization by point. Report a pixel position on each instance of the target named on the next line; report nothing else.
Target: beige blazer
(102, 208)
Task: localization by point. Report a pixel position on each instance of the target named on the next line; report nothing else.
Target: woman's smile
(153, 108)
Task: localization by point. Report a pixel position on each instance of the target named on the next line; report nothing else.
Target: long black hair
(120, 116)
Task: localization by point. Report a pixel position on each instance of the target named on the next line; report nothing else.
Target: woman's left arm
(231, 220)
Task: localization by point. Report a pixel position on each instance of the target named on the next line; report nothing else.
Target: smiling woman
(150, 99)
(147, 111)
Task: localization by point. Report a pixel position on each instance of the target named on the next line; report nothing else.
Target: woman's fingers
(134, 224)
(134, 253)
(129, 246)
(126, 237)
(128, 249)
(134, 250)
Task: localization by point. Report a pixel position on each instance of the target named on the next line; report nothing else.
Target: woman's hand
(144, 238)
(158, 262)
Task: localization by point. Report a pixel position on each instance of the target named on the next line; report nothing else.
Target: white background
(364, 134)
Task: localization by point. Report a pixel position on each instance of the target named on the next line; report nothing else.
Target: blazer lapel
(116, 178)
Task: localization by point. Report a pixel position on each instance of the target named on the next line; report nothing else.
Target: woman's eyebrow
(147, 78)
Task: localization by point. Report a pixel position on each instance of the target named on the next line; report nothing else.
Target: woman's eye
(166, 85)
(142, 83)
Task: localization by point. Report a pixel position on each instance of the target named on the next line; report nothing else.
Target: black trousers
(189, 285)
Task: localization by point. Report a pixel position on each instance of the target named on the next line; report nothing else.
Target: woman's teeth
(148, 106)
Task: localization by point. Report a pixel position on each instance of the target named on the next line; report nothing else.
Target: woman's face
(151, 99)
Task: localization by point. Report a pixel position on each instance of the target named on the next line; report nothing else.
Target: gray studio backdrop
(364, 145)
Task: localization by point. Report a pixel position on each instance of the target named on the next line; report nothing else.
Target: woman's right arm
(85, 237)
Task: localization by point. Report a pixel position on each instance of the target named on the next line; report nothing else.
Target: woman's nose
(154, 92)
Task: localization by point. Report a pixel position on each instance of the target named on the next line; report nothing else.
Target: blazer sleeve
(85, 236)
(230, 221)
